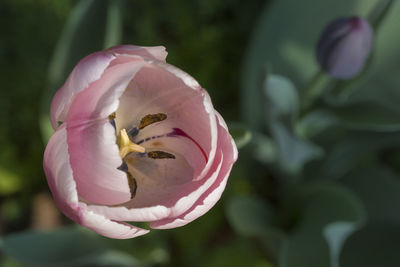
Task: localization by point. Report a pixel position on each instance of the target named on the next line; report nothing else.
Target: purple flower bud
(344, 46)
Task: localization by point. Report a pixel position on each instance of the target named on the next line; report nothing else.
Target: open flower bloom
(138, 140)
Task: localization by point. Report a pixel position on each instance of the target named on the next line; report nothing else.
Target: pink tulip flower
(136, 140)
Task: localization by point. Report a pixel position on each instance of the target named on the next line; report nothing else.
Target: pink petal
(59, 174)
(94, 155)
(89, 69)
(213, 194)
(154, 52)
(122, 213)
(63, 187)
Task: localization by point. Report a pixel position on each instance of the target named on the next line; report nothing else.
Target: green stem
(379, 12)
(313, 90)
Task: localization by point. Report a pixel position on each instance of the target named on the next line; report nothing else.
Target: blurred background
(317, 181)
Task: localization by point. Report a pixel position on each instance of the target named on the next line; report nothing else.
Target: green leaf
(336, 234)
(293, 152)
(356, 147)
(70, 246)
(377, 244)
(379, 189)
(314, 123)
(369, 115)
(264, 149)
(282, 95)
(240, 134)
(249, 215)
(329, 214)
(91, 26)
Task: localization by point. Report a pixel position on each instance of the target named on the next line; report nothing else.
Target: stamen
(111, 118)
(150, 119)
(126, 146)
(132, 184)
(160, 155)
(131, 181)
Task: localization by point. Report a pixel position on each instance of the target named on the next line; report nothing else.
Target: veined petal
(154, 52)
(214, 192)
(91, 139)
(89, 69)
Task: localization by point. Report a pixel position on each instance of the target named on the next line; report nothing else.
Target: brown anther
(160, 155)
(111, 116)
(132, 184)
(151, 118)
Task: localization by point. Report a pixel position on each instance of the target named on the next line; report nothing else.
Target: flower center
(127, 146)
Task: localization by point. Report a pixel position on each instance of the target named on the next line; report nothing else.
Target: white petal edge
(89, 69)
(155, 52)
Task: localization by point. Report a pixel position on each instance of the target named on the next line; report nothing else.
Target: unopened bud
(344, 46)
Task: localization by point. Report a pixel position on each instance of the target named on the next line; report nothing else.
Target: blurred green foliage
(30, 30)
(317, 182)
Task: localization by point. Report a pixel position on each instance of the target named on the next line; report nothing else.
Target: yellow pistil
(126, 146)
